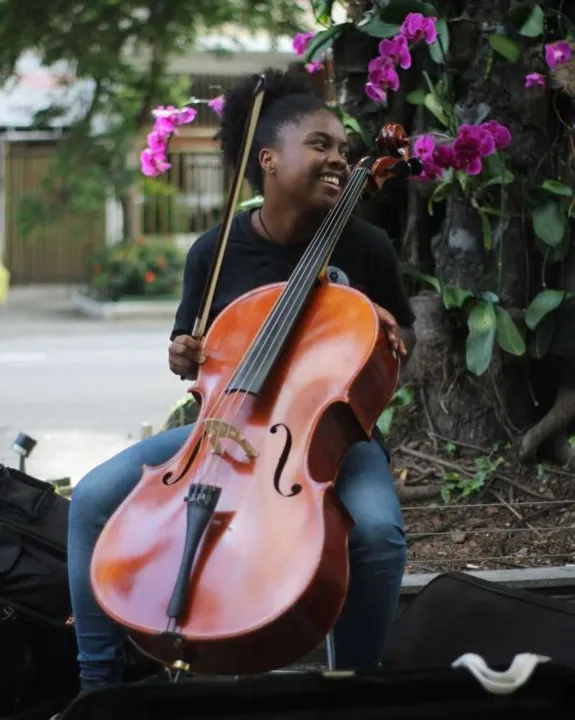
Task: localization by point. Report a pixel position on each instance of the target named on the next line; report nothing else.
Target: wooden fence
(55, 252)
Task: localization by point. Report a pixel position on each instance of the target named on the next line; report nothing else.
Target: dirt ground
(495, 512)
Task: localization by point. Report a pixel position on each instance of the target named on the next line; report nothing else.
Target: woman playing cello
(298, 162)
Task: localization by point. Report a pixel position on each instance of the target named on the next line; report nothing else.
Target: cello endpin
(180, 665)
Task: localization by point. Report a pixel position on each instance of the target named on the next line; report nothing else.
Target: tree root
(411, 493)
(552, 430)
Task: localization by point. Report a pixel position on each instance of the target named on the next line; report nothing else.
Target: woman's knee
(94, 496)
(103, 489)
(378, 536)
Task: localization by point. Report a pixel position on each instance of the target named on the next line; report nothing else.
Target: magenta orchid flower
(217, 105)
(153, 163)
(314, 66)
(154, 159)
(557, 54)
(158, 141)
(424, 149)
(375, 93)
(381, 77)
(169, 118)
(472, 143)
(534, 79)
(301, 41)
(499, 133)
(396, 51)
(382, 73)
(417, 27)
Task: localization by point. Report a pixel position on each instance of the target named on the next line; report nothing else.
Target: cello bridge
(217, 430)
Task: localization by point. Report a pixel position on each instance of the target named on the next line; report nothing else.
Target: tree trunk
(508, 399)
(132, 214)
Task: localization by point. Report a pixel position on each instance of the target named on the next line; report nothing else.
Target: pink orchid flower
(153, 160)
(375, 93)
(168, 118)
(417, 27)
(472, 143)
(301, 41)
(314, 66)
(557, 54)
(534, 79)
(158, 141)
(217, 105)
(382, 73)
(396, 51)
(499, 133)
(153, 163)
(424, 149)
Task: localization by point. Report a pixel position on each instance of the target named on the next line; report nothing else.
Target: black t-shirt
(363, 258)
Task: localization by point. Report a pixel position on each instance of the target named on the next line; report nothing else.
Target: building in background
(58, 252)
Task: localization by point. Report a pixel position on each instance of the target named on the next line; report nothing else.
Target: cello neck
(268, 344)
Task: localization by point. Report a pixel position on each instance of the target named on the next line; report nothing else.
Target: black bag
(38, 666)
(38, 651)
(33, 542)
(457, 613)
(431, 695)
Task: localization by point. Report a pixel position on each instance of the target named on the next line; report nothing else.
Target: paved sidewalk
(48, 309)
(79, 386)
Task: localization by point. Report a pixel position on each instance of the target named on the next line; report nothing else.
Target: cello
(231, 557)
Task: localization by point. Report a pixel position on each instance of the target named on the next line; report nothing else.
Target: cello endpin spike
(180, 665)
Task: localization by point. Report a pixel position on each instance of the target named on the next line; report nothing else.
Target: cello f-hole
(167, 477)
(295, 488)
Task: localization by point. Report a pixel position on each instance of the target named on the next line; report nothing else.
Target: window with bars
(189, 198)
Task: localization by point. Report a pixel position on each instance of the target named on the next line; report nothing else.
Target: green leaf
(403, 397)
(479, 345)
(441, 191)
(549, 223)
(322, 41)
(464, 180)
(455, 297)
(541, 305)
(379, 29)
(433, 104)
(520, 13)
(554, 255)
(490, 297)
(507, 333)
(412, 271)
(505, 46)
(534, 24)
(254, 202)
(543, 337)
(323, 13)
(505, 179)
(396, 10)
(416, 97)
(440, 48)
(557, 188)
(353, 126)
(385, 420)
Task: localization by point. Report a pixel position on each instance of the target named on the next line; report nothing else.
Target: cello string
(323, 242)
(330, 223)
(334, 224)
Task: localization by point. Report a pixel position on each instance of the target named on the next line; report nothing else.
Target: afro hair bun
(279, 84)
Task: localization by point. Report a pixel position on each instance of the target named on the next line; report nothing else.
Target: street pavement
(80, 387)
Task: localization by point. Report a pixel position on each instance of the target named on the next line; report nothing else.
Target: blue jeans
(376, 551)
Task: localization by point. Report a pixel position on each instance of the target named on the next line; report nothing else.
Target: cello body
(270, 572)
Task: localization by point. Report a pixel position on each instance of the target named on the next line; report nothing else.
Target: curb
(123, 308)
